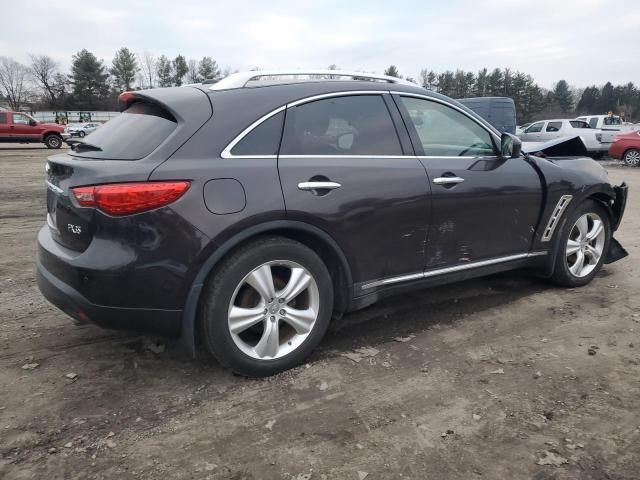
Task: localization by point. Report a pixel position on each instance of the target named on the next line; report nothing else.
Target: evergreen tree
(124, 68)
(89, 80)
(208, 69)
(180, 69)
(392, 71)
(563, 96)
(164, 71)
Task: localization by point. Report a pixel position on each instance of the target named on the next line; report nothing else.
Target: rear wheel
(53, 141)
(81, 134)
(267, 307)
(632, 157)
(583, 245)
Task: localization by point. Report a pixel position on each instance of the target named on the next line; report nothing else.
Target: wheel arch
(311, 236)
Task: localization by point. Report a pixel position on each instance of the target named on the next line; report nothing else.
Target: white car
(82, 129)
(546, 130)
(610, 125)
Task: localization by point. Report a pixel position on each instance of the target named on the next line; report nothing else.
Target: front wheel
(53, 141)
(632, 158)
(267, 307)
(81, 134)
(583, 245)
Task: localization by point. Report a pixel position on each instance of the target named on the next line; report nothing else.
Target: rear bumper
(71, 302)
(56, 276)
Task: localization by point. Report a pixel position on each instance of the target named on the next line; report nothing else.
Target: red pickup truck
(18, 127)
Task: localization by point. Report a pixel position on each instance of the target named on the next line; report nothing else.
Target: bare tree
(148, 67)
(14, 82)
(192, 75)
(44, 71)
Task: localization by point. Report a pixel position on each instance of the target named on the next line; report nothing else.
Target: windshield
(133, 135)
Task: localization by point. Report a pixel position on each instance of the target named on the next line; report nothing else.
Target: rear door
(344, 168)
(483, 207)
(553, 130)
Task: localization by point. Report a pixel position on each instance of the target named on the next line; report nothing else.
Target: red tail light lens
(130, 198)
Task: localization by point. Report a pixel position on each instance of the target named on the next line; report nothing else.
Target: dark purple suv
(251, 212)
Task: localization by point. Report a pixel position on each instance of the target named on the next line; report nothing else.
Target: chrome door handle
(446, 180)
(318, 185)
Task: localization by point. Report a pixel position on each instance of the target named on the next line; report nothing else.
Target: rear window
(132, 135)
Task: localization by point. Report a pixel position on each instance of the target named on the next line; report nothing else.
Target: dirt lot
(475, 380)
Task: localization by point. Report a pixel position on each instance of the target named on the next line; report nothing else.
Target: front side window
(535, 128)
(349, 125)
(20, 119)
(263, 140)
(446, 132)
(554, 126)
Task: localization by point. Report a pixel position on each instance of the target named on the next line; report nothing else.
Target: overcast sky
(583, 41)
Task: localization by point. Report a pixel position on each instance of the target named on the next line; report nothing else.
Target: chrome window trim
(555, 217)
(493, 157)
(226, 153)
(453, 269)
(448, 104)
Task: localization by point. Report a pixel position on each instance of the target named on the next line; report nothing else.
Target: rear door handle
(318, 185)
(447, 180)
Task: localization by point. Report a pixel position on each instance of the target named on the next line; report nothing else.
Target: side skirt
(367, 293)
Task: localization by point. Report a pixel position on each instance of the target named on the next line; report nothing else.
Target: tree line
(93, 85)
(532, 101)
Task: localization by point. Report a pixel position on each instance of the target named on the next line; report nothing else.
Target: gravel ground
(490, 378)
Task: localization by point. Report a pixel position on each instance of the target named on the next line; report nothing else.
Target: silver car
(82, 129)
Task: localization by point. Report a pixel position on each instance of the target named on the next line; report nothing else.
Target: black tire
(81, 134)
(561, 274)
(219, 292)
(53, 141)
(631, 157)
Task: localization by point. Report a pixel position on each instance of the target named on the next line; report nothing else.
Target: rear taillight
(129, 198)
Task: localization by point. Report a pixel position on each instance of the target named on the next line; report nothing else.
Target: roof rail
(241, 79)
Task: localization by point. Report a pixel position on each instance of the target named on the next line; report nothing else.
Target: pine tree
(180, 69)
(563, 96)
(164, 71)
(392, 71)
(89, 80)
(124, 68)
(208, 69)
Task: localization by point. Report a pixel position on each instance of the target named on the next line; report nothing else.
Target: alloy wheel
(585, 244)
(632, 158)
(273, 309)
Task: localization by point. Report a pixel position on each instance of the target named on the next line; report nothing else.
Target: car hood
(559, 147)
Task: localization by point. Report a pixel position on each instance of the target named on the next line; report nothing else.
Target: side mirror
(510, 146)
(33, 123)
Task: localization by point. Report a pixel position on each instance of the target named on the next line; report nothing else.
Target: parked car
(498, 111)
(312, 198)
(546, 130)
(626, 147)
(81, 129)
(18, 127)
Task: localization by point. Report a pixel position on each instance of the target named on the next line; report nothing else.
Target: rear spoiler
(560, 147)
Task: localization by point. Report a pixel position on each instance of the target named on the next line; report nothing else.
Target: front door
(482, 206)
(22, 129)
(533, 133)
(343, 170)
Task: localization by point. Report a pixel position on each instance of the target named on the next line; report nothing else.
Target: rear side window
(263, 140)
(132, 135)
(3, 117)
(593, 122)
(612, 121)
(579, 124)
(554, 126)
(350, 125)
